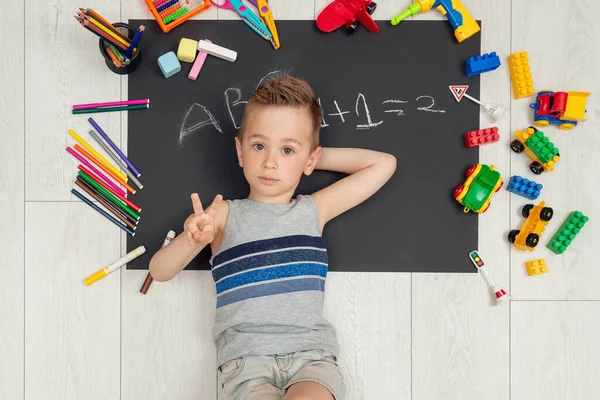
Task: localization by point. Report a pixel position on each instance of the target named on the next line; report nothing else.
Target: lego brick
(186, 52)
(524, 187)
(481, 136)
(567, 232)
(217, 51)
(482, 63)
(520, 75)
(169, 64)
(536, 267)
(542, 147)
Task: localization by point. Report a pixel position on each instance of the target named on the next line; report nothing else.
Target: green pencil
(108, 194)
(116, 52)
(108, 109)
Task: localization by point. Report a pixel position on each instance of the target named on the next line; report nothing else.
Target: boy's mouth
(268, 180)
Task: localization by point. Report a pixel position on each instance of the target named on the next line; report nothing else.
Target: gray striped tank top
(269, 274)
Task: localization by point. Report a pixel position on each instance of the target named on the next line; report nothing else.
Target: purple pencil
(111, 104)
(114, 147)
(100, 174)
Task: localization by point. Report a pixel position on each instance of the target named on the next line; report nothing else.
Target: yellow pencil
(105, 29)
(95, 153)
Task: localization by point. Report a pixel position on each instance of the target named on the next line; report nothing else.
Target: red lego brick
(482, 136)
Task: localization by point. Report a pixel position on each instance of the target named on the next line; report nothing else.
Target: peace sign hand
(200, 226)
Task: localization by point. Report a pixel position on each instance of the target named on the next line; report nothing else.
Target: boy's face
(276, 150)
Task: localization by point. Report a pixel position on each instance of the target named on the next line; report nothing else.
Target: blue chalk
(483, 63)
(169, 64)
(524, 187)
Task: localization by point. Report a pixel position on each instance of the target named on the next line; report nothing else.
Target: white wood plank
(555, 350)
(12, 197)
(460, 340)
(563, 58)
(372, 316)
(72, 332)
(63, 66)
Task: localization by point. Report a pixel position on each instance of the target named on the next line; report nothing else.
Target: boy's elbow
(158, 274)
(392, 163)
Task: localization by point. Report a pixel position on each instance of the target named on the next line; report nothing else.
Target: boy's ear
(312, 160)
(238, 147)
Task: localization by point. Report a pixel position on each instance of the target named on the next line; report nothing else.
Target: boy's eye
(288, 150)
(258, 146)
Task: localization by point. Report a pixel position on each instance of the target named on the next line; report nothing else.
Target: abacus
(171, 13)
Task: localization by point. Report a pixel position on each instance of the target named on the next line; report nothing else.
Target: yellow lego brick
(576, 103)
(536, 267)
(186, 52)
(520, 75)
(533, 224)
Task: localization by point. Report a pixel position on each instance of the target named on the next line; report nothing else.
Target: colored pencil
(91, 13)
(134, 41)
(106, 30)
(111, 104)
(101, 211)
(100, 182)
(100, 33)
(100, 174)
(97, 155)
(111, 208)
(114, 146)
(109, 109)
(112, 56)
(117, 53)
(108, 171)
(112, 198)
(116, 158)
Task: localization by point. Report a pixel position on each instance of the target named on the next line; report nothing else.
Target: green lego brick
(541, 146)
(567, 232)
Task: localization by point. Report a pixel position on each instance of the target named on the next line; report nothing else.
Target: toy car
(559, 108)
(479, 187)
(349, 13)
(538, 147)
(529, 235)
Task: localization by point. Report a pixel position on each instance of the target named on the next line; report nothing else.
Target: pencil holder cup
(135, 59)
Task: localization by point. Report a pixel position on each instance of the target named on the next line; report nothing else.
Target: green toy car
(477, 191)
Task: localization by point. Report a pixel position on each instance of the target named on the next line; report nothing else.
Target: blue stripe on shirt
(272, 273)
(267, 289)
(263, 260)
(267, 245)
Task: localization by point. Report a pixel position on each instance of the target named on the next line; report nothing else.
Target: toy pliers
(266, 16)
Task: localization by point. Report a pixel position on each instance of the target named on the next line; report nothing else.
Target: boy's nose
(270, 161)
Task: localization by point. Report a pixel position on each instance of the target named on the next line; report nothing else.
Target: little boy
(269, 261)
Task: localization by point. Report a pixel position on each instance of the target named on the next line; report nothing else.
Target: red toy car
(349, 13)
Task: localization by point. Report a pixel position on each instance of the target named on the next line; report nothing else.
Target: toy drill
(464, 25)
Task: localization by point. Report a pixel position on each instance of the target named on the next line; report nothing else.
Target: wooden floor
(403, 336)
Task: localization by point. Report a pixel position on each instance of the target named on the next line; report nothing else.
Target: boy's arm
(368, 171)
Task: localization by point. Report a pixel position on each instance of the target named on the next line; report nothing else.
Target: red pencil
(99, 181)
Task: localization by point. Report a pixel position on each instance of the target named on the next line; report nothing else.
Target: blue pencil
(101, 211)
(135, 41)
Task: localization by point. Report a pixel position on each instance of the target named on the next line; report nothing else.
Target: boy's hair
(286, 90)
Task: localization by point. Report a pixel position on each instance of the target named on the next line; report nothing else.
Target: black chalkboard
(400, 75)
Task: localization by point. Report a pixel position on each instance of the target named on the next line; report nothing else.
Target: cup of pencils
(119, 43)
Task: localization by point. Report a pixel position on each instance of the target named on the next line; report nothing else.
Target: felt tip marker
(109, 269)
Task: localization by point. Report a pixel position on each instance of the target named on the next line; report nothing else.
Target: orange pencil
(112, 57)
(103, 167)
(102, 34)
(89, 12)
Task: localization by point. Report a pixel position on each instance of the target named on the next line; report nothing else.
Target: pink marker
(111, 104)
(200, 58)
(100, 174)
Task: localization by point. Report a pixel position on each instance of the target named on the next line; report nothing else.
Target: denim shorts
(268, 377)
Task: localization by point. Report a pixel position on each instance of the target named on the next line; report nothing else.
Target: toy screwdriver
(464, 25)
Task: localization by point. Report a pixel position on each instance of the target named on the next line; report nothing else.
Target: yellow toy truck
(529, 235)
(538, 147)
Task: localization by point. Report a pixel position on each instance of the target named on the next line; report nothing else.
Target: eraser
(200, 58)
(216, 50)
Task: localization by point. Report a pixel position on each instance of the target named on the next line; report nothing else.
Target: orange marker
(103, 167)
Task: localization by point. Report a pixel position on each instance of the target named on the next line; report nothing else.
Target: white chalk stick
(217, 51)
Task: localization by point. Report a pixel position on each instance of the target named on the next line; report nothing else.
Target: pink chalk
(200, 58)
(100, 174)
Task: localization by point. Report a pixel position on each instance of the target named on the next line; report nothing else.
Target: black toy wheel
(512, 235)
(352, 27)
(546, 214)
(517, 146)
(526, 210)
(532, 240)
(371, 8)
(536, 168)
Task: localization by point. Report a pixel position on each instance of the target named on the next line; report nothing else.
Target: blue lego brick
(524, 187)
(483, 63)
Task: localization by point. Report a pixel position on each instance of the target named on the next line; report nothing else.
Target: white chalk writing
(185, 130)
(399, 112)
(234, 103)
(369, 123)
(340, 112)
(428, 108)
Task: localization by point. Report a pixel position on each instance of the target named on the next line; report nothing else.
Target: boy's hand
(200, 226)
